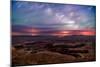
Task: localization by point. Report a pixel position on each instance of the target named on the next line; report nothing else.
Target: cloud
(44, 18)
(48, 11)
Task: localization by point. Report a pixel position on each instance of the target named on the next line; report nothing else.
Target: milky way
(36, 18)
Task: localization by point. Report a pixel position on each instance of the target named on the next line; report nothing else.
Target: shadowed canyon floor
(52, 51)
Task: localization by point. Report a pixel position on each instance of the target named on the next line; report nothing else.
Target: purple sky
(36, 18)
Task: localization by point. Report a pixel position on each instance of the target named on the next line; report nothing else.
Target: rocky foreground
(50, 53)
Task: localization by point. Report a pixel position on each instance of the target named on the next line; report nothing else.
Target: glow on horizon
(35, 18)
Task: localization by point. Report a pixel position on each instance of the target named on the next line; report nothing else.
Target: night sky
(35, 18)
